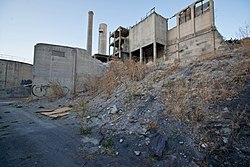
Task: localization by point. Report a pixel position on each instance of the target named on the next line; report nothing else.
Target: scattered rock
(93, 150)
(225, 109)
(226, 130)
(181, 142)
(121, 140)
(90, 140)
(147, 141)
(113, 110)
(158, 144)
(246, 150)
(204, 145)
(137, 153)
(225, 139)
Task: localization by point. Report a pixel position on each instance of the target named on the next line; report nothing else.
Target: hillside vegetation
(170, 113)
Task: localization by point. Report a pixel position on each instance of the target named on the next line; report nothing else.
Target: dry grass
(92, 84)
(187, 99)
(118, 73)
(152, 125)
(55, 91)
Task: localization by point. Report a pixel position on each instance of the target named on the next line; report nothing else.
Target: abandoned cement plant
(153, 95)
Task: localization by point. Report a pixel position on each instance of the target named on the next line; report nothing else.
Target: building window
(58, 53)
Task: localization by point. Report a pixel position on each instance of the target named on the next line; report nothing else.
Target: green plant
(108, 143)
(85, 131)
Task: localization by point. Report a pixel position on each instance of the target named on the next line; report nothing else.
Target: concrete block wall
(86, 66)
(12, 73)
(161, 26)
(142, 34)
(189, 48)
(195, 33)
(67, 65)
(51, 63)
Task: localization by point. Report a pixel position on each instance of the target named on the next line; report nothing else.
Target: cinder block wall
(12, 73)
(67, 65)
(194, 36)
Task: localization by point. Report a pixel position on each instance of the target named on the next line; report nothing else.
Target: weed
(56, 90)
(151, 159)
(152, 125)
(92, 84)
(81, 106)
(108, 143)
(117, 73)
(85, 131)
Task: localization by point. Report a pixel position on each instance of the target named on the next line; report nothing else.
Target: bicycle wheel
(38, 91)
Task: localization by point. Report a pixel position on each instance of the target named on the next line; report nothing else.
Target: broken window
(201, 7)
(58, 53)
(185, 15)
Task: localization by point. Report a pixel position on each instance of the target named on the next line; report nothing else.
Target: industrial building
(194, 34)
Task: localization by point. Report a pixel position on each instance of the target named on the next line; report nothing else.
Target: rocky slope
(169, 114)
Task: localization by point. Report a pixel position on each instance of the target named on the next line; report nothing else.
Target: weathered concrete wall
(195, 33)
(151, 29)
(142, 34)
(190, 47)
(12, 73)
(172, 34)
(203, 21)
(186, 29)
(160, 29)
(17, 92)
(67, 65)
(86, 66)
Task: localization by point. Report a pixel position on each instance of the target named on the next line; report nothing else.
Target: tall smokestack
(90, 32)
(102, 39)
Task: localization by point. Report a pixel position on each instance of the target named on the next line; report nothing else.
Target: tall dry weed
(118, 73)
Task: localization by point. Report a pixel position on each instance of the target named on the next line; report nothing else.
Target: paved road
(29, 139)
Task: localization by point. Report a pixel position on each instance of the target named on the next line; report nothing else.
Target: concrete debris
(137, 153)
(226, 130)
(90, 140)
(204, 145)
(225, 139)
(113, 110)
(121, 140)
(181, 142)
(147, 141)
(157, 144)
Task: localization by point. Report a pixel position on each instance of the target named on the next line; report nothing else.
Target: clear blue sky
(23, 23)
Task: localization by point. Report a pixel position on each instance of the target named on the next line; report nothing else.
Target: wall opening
(201, 7)
(185, 15)
(172, 22)
(147, 53)
(160, 50)
(135, 55)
